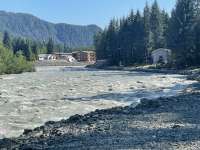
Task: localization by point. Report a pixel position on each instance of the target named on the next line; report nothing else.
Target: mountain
(29, 26)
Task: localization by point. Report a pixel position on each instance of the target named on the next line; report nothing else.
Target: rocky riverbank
(192, 73)
(163, 123)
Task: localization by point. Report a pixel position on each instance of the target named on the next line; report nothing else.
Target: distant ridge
(29, 26)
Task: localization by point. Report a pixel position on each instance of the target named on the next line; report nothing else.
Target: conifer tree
(156, 26)
(111, 41)
(165, 25)
(182, 33)
(7, 40)
(50, 46)
(147, 33)
(27, 50)
(34, 49)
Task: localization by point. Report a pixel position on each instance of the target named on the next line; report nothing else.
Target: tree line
(18, 54)
(130, 40)
(30, 48)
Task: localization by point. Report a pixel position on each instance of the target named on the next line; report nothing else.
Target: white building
(161, 54)
(65, 56)
(70, 59)
(46, 57)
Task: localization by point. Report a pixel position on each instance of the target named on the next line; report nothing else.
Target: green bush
(13, 64)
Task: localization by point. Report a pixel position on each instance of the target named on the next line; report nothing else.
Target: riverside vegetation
(12, 61)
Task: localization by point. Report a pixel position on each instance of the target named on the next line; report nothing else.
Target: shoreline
(192, 74)
(55, 63)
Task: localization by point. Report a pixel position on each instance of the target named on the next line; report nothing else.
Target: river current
(28, 100)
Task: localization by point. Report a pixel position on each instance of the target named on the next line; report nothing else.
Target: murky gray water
(28, 100)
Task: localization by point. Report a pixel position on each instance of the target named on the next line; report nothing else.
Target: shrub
(10, 63)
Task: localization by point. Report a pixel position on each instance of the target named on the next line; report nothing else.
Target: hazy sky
(80, 12)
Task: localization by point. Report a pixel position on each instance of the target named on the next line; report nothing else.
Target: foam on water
(52, 93)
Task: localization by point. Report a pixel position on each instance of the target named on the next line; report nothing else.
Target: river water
(28, 100)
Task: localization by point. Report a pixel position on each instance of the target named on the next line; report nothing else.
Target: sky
(79, 12)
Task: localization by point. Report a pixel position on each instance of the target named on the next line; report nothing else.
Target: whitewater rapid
(28, 100)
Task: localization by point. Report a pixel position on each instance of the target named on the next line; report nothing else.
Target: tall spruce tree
(100, 45)
(7, 40)
(156, 27)
(147, 33)
(165, 25)
(182, 32)
(34, 49)
(111, 41)
(139, 40)
(27, 50)
(18, 45)
(50, 46)
(123, 35)
(129, 44)
(197, 44)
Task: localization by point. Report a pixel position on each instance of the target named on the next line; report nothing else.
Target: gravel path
(164, 123)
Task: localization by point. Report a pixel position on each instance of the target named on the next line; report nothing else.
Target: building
(62, 55)
(46, 57)
(161, 56)
(65, 56)
(70, 59)
(84, 56)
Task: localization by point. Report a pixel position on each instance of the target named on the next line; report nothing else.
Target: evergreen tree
(7, 40)
(27, 50)
(156, 27)
(111, 38)
(130, 40)
(50, 46)
(98, 42)
(196, 57)
(147, 14)
(18, 45)
(182, 33)
(24, 46)
(147, 33)
(139, 39)
(34, 49)
(165, 24)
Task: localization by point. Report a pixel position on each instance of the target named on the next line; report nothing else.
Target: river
(28, 100)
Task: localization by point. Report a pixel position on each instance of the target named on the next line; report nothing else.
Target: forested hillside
(130, 40)
(29, 26)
